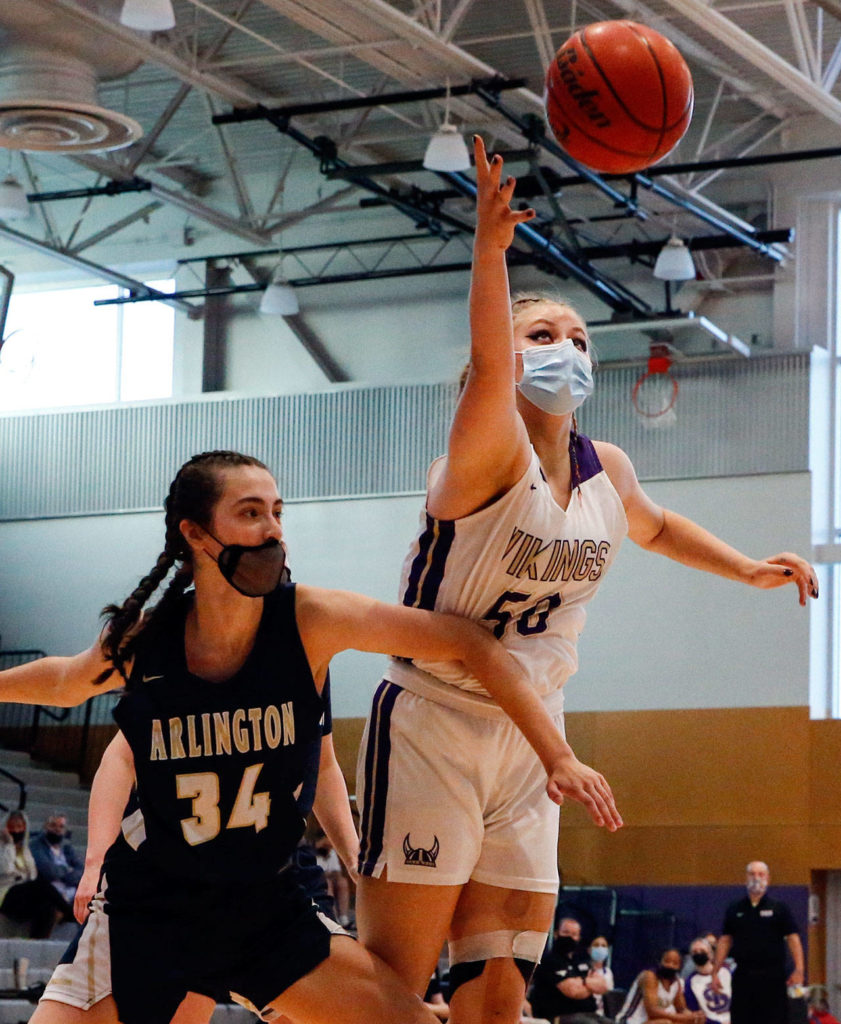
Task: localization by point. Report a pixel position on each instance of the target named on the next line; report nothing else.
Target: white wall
(659, 635)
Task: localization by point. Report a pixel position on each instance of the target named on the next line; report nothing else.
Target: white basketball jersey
(522, 567)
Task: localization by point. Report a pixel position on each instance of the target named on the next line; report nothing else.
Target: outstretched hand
(496, 219)
(782, 569)
(569, 777)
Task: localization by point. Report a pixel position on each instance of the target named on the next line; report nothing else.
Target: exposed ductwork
(49, 69)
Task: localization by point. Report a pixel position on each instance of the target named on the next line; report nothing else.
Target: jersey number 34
(250, 808)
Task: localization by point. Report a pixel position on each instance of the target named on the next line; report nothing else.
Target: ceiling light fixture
(13, 202)
(447, 150)
(674, 263)
(148, 15)
(279, 298)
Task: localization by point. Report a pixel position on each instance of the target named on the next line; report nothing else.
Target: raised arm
(58, 681)
(668, 533)
(488, 448)
(331, 621)
(110, 792)
(332, 807)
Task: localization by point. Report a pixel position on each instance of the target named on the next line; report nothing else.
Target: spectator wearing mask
(24, 897)
(600, 973)
(56, 859)
(565, 986)
(758, 930)
(698, 987)
(658, 995)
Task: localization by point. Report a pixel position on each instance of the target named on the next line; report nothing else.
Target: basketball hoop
(655, 392)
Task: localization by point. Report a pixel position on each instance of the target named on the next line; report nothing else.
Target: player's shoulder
(618, 467)
(611, 455)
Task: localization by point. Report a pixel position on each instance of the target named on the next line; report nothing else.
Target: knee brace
(469, 955)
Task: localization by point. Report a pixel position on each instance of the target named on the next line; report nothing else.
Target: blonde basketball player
(523, 518)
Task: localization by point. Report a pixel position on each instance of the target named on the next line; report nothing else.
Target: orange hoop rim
(639, 384)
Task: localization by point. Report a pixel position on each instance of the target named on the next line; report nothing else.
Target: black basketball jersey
(226, 772)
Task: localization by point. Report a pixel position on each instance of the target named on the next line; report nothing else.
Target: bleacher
(48, 791)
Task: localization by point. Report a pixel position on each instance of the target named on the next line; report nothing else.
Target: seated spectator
(658, 995)
(698, 987)
(819, 1007)
(565, 984)
(24, 896)
(601, 976)
(55, 858)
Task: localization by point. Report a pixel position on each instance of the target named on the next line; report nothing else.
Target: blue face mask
(556, 378)
(598, 953)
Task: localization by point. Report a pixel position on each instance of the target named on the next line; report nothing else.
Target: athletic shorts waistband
(423, 684)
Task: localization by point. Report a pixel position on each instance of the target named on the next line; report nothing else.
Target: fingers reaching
(587, 787)
(789, 568)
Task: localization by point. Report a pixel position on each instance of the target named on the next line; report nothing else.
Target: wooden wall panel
(702, 792)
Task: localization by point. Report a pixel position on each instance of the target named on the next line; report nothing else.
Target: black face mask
(18, 837)
(565, 943)
(253, 570)
(667, 973)
(54, 838)
(700, 959)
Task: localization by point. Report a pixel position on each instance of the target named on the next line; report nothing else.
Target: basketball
(618, 96)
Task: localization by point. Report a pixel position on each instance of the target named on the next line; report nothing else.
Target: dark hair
(192, 495)
(668, 949)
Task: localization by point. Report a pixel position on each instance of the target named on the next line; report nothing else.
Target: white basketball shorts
(84, 975)
(447, 795)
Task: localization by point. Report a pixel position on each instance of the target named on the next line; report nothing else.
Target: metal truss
(97, 270)
(806, 81)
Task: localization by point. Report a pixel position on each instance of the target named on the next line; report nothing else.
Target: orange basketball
(618, 96)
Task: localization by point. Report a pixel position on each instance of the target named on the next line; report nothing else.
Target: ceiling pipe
(387, 99)
(687, 167)
(297, 282)
(426, 215)
(113, 188)
(534, 131)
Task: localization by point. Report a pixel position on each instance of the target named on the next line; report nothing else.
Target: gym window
(61, 350)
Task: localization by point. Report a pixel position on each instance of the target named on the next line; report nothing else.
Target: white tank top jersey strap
(633, 1010)
(524, 568)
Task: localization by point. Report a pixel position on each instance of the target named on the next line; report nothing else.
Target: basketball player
(79, 991)
(222, 726)
(523, 517)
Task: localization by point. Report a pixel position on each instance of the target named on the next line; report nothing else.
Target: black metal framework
(21, 791)
(387, 99)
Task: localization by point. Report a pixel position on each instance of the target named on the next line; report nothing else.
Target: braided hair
(192, 495)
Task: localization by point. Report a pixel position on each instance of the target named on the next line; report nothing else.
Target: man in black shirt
(757, 929)
(564, 984)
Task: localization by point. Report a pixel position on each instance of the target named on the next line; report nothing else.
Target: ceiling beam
(225, 86)
(702, 14)
(142, 214)
(187, 203)
(97, 270)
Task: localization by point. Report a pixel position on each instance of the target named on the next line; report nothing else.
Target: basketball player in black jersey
(221, 720)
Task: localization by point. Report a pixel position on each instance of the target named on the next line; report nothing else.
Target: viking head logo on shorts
(420, 857)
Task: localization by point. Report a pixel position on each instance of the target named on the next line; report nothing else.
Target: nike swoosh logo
(148, 679)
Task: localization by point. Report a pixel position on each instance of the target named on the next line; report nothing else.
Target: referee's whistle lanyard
(254, 570)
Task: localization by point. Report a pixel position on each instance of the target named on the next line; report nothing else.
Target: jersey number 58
(529, 621)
